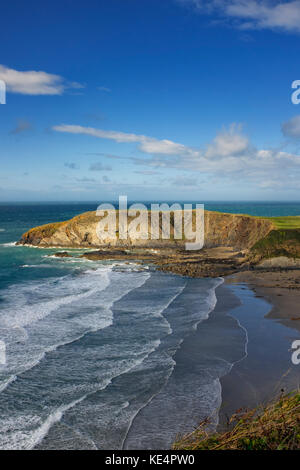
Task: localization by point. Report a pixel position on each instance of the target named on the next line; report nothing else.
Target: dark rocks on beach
(105, 254)
(62, 254)
(192, 264)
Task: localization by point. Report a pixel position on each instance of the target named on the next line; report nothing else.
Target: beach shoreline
(277, 291)
(269, 302)
(262, 367)
(281, 288)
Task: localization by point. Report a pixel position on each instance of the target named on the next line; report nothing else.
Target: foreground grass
(274, 427)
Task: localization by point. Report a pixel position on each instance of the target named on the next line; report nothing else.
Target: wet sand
(280, 288)
(269, 302)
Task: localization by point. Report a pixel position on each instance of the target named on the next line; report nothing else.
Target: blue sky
(159, 100)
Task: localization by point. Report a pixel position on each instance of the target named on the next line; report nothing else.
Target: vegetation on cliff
(41, 232)
(258, 237)
(273, 427)
(282, 242)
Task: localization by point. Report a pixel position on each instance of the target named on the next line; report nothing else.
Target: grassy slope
(273, 427)
(284, 240)
(287, 223)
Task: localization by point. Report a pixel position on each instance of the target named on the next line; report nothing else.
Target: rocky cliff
(238, 231)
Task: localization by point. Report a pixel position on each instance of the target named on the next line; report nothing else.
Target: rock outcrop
(238, 231)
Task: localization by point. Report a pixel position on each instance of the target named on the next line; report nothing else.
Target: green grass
(280, 242)
(272, 427)
(287, 222)
(284, 240)
(291, 222)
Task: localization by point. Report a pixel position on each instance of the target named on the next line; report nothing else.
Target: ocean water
(91, 347)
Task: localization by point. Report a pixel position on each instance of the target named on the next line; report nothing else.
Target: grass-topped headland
(272, 427)
(250, 238)
(238, 231)
(284, 240)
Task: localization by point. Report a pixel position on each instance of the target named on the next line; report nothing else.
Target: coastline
(252, 380)
(281, 288)
(278, 292)
(256, 348)
(268, 303)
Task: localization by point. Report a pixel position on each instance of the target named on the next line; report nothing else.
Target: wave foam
(10, 244)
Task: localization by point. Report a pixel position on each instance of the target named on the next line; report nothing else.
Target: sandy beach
(280, 288)
(269, 311)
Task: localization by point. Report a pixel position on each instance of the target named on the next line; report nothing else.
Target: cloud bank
(229, 156)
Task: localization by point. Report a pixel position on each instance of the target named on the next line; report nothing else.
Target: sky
(182, 100)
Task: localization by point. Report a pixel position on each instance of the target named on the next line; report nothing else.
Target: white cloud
(229, 156)
(147, 144)
(291, 128)
(102, 134)
(228, 143)
(166, 147)
(254, 14)
(33, 82)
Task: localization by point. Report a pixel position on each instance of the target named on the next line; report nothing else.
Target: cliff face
(238, 231)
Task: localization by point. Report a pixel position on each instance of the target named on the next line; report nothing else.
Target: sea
(92, 353)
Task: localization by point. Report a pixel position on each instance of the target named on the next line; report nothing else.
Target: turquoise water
(90, 344)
